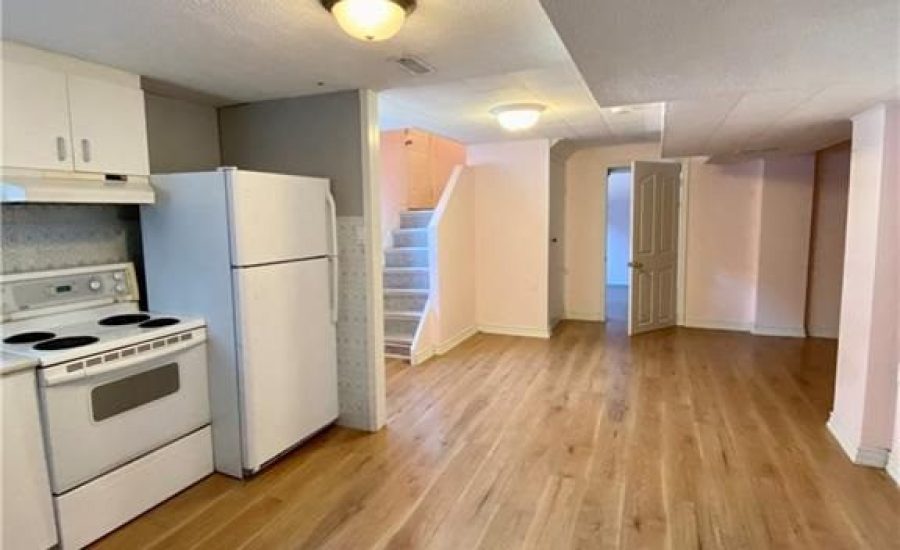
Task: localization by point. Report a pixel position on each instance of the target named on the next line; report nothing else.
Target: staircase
(406, 283)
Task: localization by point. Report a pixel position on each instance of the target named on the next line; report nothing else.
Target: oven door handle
(59, 374)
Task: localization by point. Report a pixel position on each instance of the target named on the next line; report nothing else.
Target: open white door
(654, 245)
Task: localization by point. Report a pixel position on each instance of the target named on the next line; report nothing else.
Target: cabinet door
(109, 128)
(35, 118)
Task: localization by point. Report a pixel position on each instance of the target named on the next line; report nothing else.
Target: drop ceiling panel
(737, 75)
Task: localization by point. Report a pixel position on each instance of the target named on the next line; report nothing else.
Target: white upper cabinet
(35, 118)
(58, 121)
(109, 127)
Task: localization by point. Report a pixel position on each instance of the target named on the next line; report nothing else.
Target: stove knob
(94, 284)
(118, 275)
(120, 288)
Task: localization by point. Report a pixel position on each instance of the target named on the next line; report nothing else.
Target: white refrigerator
(256, 255)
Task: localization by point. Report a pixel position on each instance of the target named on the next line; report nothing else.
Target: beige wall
(585, 224)
(512, 256)
(784, 236)
(454, 234)
(722, 244)
(828, 234)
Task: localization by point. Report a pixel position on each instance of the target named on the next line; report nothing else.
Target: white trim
(457, 339)
(788, 332)
(681, 277)
(421, 356)
(830, 332)
(713, 324)
(369, 136)
(874, 457)
(893, 466)
(585, 316)
(528, 332)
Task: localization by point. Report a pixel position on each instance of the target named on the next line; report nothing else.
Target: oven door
(121, 411)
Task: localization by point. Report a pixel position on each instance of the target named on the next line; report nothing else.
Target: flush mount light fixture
(518, 116)
(370, 20)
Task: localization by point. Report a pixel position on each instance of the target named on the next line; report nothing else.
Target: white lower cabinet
(27, 513)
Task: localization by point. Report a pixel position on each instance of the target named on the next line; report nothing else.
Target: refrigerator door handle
(333, 258)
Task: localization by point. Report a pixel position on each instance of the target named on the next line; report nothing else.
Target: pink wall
(828, 233)
(393, 183)
(866, 383)
(413, 158)
(722, 244)
(784, 237)
(512, 216)
(445, 154)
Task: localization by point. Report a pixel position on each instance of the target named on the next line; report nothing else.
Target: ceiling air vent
(413, 65)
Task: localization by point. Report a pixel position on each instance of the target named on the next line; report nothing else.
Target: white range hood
(30, 188)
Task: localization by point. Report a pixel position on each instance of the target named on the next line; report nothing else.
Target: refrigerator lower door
(287, 356)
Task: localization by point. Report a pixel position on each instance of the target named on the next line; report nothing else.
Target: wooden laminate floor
(676, 439)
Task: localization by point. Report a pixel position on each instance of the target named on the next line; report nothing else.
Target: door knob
(636, 265)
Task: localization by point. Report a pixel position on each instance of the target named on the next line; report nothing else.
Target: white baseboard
(585, 316)
(893, 466)
(712, 324)
(874, 457)
(457, 339)
(823, 332)
(528, 332)
(786, 332)
(422, 355)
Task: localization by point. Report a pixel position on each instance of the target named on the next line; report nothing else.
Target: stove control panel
(29, 294)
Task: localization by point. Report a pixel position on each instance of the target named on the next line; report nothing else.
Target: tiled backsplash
(36, 237)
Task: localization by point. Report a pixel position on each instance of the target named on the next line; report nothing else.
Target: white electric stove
(123, 393)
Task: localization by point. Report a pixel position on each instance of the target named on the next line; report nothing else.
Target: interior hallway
(586, 440)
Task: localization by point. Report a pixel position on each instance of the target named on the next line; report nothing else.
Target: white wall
(512, 216)
(618, 227)
(826, 270)
(784, 241)
(869, 348)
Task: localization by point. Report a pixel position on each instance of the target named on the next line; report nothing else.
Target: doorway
(618, 233)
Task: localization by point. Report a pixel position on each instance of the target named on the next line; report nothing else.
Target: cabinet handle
(86, 150)
(61, 152)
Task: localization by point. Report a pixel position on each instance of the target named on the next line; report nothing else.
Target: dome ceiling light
(370, 20)
(516, 117)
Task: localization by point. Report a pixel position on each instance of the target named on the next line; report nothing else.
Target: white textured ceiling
(737, 76)
(247, 50)
(485, 53)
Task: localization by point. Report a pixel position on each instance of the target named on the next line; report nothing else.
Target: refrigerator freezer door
(287, 356)
(276, 218)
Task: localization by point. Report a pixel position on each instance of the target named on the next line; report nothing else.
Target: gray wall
(182, 136)
(317, 135)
